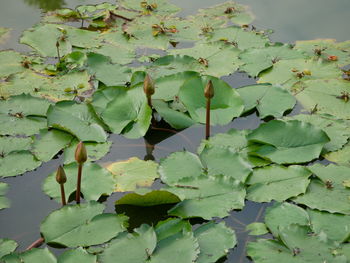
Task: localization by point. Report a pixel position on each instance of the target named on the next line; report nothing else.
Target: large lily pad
(86, 227)
(133, 173)
(225, 105)
(341, 157)
(328, 192)
(289, 142)
(79, 255)
(277, 183)
(4, 203)
(11, 166)
(10, 63)
(214, 241)
(33, 255)
(219, 193)
(77, 119)
(267, 99)
(14, 144)
(96, 181)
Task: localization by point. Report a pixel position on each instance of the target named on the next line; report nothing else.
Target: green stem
(63, 195)
(207, 122)
(77, 193)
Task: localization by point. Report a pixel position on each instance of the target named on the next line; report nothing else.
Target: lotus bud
(80, 153)
(209, 90)
(61, 177)
(148, 86)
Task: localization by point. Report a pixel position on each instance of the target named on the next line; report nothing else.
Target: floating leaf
(225, 105)
(268, 100)
(77, 255)
(277, 183)
(328, 192)
(14, 144)
(33, 255)
(152, 198)
(4, 203)
(96, 181)
(257, 60)
(218, 193)
(22, 115)
(214, 241)
(288, 142)
(170, 227)
(12, 167)
(7, 246)
(257, 229)
(10, 63)
(133, 173)
(95, 151)
(77, 119)
(135, 247)
(123, 56)
(161, 7)
(81, 225)
(50, 143)
(341, 157)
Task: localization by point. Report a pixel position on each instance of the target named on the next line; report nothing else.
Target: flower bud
(61, 177)
(148, 86)
(209, 90)
(80, 153)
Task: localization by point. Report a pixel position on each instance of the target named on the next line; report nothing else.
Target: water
(290, 19)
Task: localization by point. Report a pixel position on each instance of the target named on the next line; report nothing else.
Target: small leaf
(257, 229)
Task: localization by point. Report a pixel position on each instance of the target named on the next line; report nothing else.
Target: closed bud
(148, 86)
(61, 177)
(209, 90)
(80, 153)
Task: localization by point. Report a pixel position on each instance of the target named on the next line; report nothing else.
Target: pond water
(290, 19)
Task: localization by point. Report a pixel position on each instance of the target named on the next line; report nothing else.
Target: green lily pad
(95, 182)
(289, 72)
(22, 115)
(258, 60)
(225, 105)
(179, 165)
(7, 246)
(14, 144)
(268, 100)
(12, 167)
(239, 37)
(341, 157)
(133, 173)
(77, 119)
(214, 56)
(328, 192)
(160, 7)
(123, 56)
(107, 72)
(50, 143)
(134, 247)
(4, 203)
(288, 142)
(214, 241)
(277, 183)
(170, 227)
(95, 151)
(337, 130)
(11, 62)
(87, 226)
(326, 96)
(33, 255)
(152, 198)
(79, 255)
(207, 197)
(257, 229)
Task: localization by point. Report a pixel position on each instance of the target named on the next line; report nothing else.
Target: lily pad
(14, 144)
(96, 182)
(50, 143)
(33, 255)
(160, 7)
(327, 193)
(277, 183)
(95, 151)
(288, 142)
(341, 157)
(267, 99)
(4, 203)
(22, 115)
(7, 246)
(152, 198)
(257, 229)
(77, 119)
(133, 173)
(12, 167)
(87, 226)
(11, 62)
(77, 255)
(258, 60)
(219, 193)
(225, 105)
(214, 241)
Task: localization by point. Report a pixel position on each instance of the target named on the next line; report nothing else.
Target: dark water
(291, 19)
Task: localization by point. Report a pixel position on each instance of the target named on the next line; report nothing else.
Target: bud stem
(77, 193)
(58, 51)
(36, 243)
(149, 101)
(63, 195)
(207, 122)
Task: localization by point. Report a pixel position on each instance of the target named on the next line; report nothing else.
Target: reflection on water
(46, 5)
